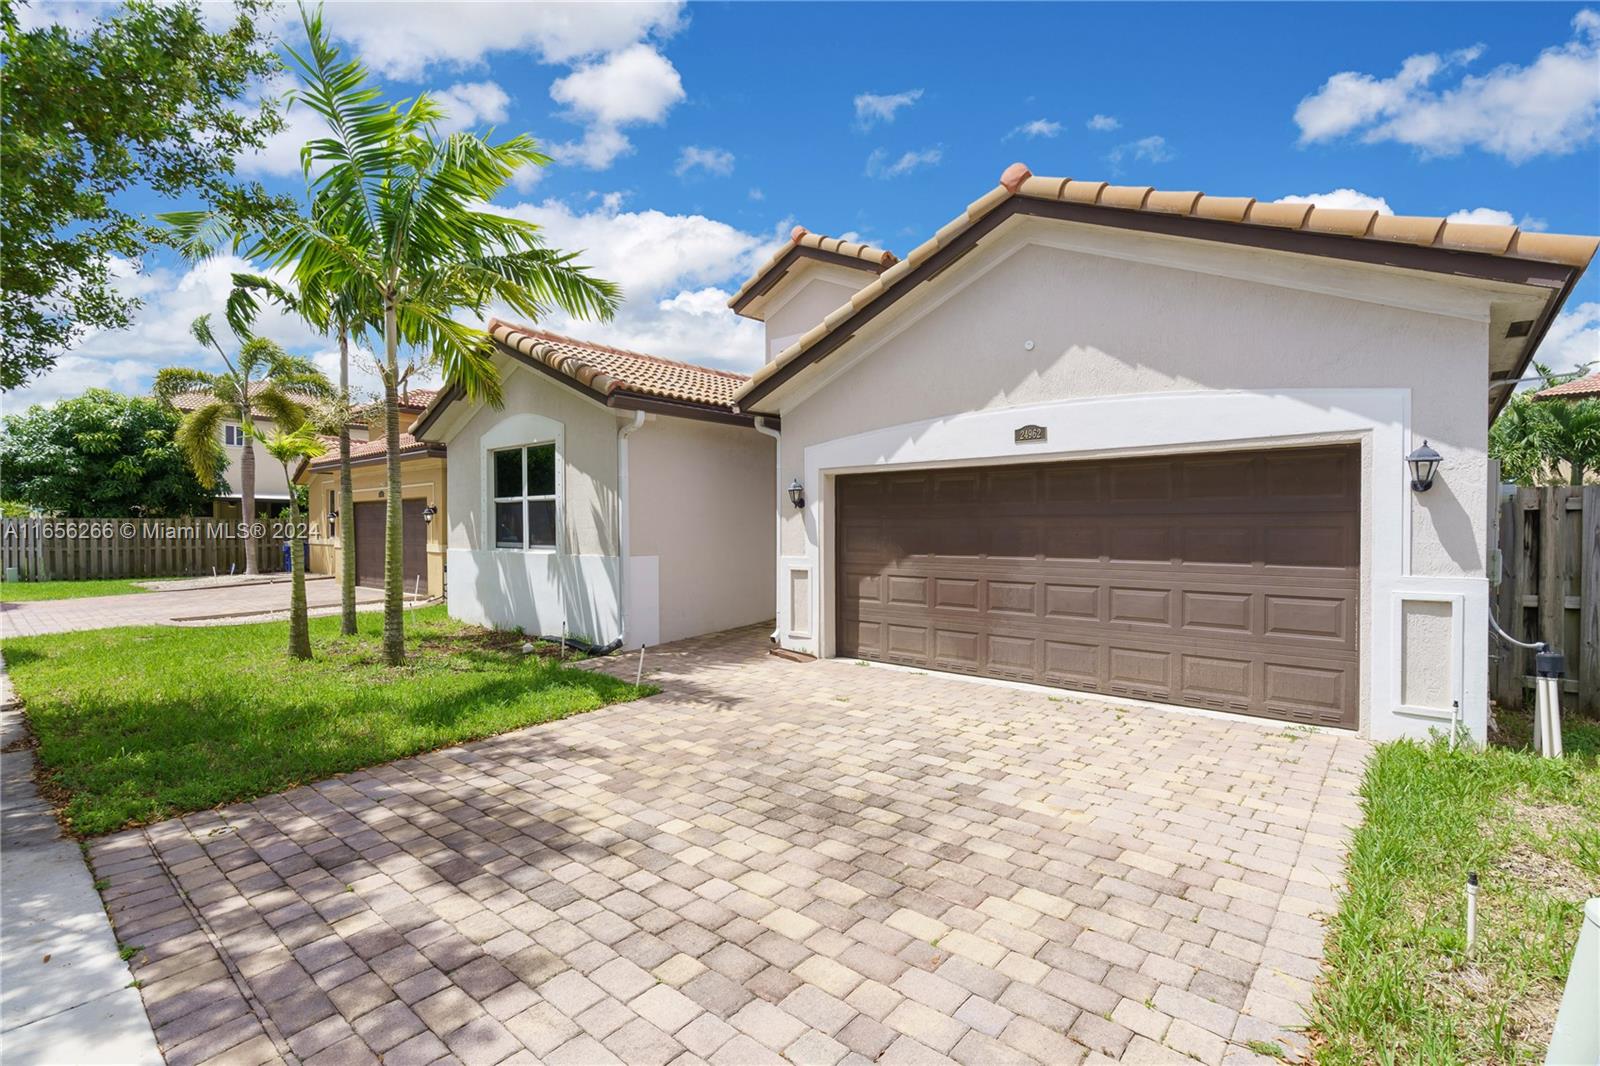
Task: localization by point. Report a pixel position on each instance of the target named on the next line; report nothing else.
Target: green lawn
(142, 723)
(25, 591)
(1398, 986)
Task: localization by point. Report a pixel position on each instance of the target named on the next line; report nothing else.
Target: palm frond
(174, 381)
(196, 438)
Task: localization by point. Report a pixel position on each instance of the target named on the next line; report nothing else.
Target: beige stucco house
(272, 487)
(1149, 445)
(423, 501)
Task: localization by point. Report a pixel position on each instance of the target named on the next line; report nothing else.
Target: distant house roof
(803, 244)
(615, 377)
(1429, 243)
(367, 451)
(1577, 389)
(193, 401)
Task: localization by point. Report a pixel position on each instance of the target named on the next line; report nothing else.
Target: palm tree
(328, 312)
(405, 227)
(1547, 439)
(260, 379)
(1570, 433)
(289, 447)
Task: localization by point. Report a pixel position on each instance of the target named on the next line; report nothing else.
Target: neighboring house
(601, 455)
(1576, 389)
(272, 489)
(422, 474)
(1145, 444)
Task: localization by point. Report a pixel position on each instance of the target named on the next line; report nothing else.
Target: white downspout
(623, 433)
(777, 510)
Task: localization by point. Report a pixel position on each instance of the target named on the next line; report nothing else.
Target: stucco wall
(589, 464)
(700, 501)
(1106, 327)
(806, 297)
(421, 478)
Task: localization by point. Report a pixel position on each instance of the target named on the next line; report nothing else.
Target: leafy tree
(1550, 440)
(403, 230)
(289, 447)
(101, 455)
(150, 97)
(261, 379)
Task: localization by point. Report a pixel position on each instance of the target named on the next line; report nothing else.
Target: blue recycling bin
(305, 556)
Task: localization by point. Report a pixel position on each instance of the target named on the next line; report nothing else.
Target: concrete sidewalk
(64, 992)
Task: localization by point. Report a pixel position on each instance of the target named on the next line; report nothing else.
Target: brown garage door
(1227, 581)
(370, 524)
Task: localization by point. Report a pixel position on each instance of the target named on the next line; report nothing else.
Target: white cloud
(402, 40)
(1103, 123)
(873, 108)
(757, 195)
(1486, 216)
(126, 360)
(1549, 107)
(676, 272)
(470, 104)
(1152, 149)
(711, 160)
(1039, 127)
(1341, 198)
(879, 165)
(634, 85)
(1573, 340)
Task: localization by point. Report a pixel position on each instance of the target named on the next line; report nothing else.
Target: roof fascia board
(780, 270)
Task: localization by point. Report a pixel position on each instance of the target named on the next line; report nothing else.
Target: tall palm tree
(260, 379)
(405, 227)
(289, 447)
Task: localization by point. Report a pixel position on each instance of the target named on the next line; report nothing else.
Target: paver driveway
(823, 861)
(33, 617)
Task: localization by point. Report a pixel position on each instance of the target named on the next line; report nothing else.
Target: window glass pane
(508, 472)
(541, 523)
(542, 470)
(508, 524)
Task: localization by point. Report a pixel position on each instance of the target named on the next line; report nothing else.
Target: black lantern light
(797, 494)
(333, 514)
(1424, 465)
(428, 512)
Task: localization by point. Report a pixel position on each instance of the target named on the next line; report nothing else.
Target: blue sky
(688, 139)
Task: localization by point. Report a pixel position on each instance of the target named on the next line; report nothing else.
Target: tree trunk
(299, 624)
(394, 636)
(1577, 468)
(347, 497)
(247, 498)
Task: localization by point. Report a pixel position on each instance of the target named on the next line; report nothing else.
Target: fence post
(1587, 666)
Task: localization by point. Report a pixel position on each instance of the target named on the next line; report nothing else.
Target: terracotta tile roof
(1019, 181)
(604, 369)
(1577, 389)
(367, 449)
(192, 401)
(874, 259)
(417, 399)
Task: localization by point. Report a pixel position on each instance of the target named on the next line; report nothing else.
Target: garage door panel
(1227, 581)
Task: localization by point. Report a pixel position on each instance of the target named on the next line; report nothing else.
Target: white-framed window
(523, 481)
(232, 435)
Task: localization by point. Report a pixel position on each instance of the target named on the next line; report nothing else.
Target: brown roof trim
(1351, 248)
(427, 451)
(430, 415)
(632, 401)
(769, 278)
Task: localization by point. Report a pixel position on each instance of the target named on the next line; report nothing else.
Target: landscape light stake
(1472, 911)
(638, 675)
(1549, 669)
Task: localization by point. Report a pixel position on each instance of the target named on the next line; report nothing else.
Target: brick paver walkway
(166, 608)
(821, 862)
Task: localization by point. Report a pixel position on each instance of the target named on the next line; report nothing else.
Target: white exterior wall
(701, 540)
(805, 297)
(578, 581)
(1121, 343)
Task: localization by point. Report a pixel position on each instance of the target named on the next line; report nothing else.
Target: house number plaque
(1029, 434)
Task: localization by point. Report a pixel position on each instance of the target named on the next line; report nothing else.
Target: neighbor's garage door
(1228, 581)
(371, 522)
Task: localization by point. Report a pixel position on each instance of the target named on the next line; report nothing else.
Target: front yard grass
(1398, 985)
(143, 723)
(28, 591)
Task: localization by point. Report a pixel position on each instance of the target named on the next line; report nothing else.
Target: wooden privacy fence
(72, 549)
(1549, 590)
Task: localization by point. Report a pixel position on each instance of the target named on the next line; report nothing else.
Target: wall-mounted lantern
(797, 494)
(428, 512)
(1424, 465)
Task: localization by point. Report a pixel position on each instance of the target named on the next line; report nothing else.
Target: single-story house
(615, 496)
(423, 479)
(1151, 445)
